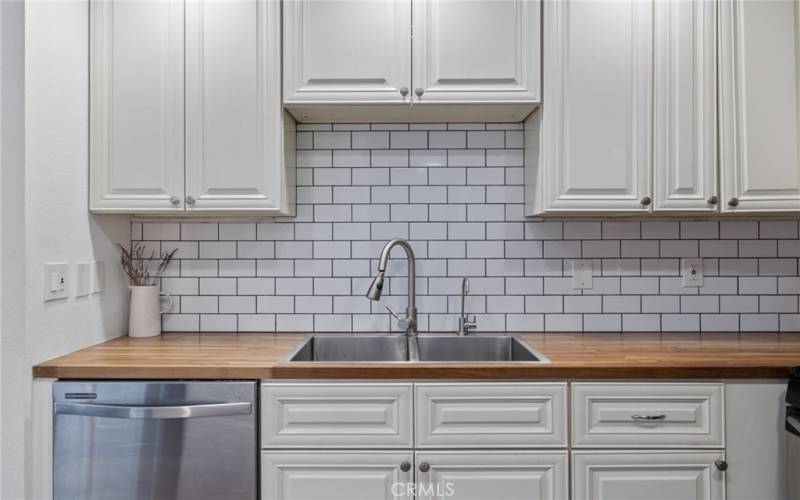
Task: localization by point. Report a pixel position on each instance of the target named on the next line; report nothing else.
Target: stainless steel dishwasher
(793, 432)
(155, 440)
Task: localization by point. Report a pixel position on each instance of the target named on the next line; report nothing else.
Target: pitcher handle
(169, 302)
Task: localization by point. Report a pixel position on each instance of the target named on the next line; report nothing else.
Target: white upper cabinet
(476, 51)
(685, 111)
(136, 121)
(200, 77)
(596, 122)
(234, 125)
(760, 106)
(347, 51)
(344, 60)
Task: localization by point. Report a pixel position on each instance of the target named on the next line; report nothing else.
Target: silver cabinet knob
(733, 202)
(190, 200)
(174, 200)
(646, 201)
(405, 466)
(712, 200)
(424, 467)
(419, 91)
(403, 91)
(721, 465)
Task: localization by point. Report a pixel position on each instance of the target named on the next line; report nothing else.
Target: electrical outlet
(56, 281)
(692, 272)
(98, 278)
(581, 274)
(83, 278)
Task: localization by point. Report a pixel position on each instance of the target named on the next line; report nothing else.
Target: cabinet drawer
(336, 415)
(647, 415)
(490, 415)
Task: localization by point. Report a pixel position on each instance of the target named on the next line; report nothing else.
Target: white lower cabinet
(503, 440)
(336, 475)
(481, 475)
(650, 475)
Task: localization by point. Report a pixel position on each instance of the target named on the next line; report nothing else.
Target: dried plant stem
(137, 265)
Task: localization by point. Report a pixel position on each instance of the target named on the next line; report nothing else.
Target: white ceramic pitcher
(145, 315)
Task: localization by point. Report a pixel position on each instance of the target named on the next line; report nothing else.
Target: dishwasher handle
(153, 412)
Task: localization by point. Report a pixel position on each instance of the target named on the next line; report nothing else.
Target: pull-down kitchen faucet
(409, 321)
(464, 324)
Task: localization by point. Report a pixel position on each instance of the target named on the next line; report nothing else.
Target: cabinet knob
(721, 465)
(712, 200)
(403, 91)
(733, 202)
(174, 200)
(646, 201)
(424, 467)
(405, 466)
(419, 91)
(190, 200)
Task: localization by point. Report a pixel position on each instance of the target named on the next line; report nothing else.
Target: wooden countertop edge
(418, 371)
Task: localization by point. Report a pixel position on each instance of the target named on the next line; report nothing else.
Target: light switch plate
(581, 274)
(56, 281)
(98, 278)
(692, 272)
(83, 277)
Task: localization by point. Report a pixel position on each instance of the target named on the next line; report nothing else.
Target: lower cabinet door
(647, 475)
(321, 475)
(483, 475)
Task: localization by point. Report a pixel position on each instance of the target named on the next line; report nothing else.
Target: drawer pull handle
(424, 467)
(405, 466)
(649, 418)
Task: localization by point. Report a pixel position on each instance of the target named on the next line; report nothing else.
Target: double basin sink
(358, 348)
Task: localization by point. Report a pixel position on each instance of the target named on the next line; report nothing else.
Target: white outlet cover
(582, 274)
(56, 281)
(83, 277)
(692, 272)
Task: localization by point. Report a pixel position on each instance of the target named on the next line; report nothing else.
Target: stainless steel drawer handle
(649, 418)
(153, 412)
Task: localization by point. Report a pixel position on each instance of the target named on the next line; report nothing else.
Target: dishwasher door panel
(155, 440)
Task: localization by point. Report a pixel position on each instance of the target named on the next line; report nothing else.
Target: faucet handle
(393, 312)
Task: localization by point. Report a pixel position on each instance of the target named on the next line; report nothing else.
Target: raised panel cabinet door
(685, 112)
(647, 474)
(596, 124)
(472, 51)
(235, 147)
(759, 106)
(337, 475)
(491, 415)
(481, 475)
(336, 415)
(346, 51)
(136, 132)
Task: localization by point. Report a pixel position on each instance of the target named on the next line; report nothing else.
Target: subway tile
(428, 158)
(524, 286)
(738, 229)
(486, 139)
(505, 194)
(351, 231)
(700, 304)
(699, 229)
(275, 231)
(447, 249)
(641, 322)
(777, 267)
(448, 140)
(789, 248)
(408, 140)
(544, 304)
(601, 249)
(759, 322)
(778, 229)
(660, 267)
(218, 322)
(661, 304)
(560, 249)
(237, 268)
(428, 194)
(160, 231)
(315, 267)
(485, 176)
(198, 268)
(199, 231)
(332, 286)
(466, 230)
(237, 231)
(217, 249)
(314, 159)
(447, 176)
(485, 249)
(544, 267)
(621, 304)
(294, 322)
(332, 140)
(408, 176)
(370, 176)
(486, 212)
(669, 285)
(525, 322)
(639, 285)
(790, 322)
(582, 230)
(738, 304)
(583, 304)
(275, 267)
(640, 248)
(180, 286)
(719, 248)
(679, 248)
(758, 286)
(506, 231)
(520, 249)
(396, 158)
(505, 267)
(466, 267)
(680, 322)
(255, 286)
(370, 140)
(466, 158)
(196, 305)
(719, 322)
(332, 176)
(180, 322)
(789, 285)
(217, 286)
(660, 230)
(505, 304)
(738, 267)
(505, 158)
(563, 322)
(236, 305)
(758, 248)
(293, 286)
(621, 230)
(778, 304)
(602, 322)
(256, 322)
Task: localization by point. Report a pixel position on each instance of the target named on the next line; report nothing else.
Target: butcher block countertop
(572, 356)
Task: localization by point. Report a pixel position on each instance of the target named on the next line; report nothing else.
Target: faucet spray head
(376, 288)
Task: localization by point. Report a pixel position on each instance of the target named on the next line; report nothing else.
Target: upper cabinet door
(596, 124)
(136, 96)
(759, 129)
(234, 137)
(346, 51)
(685, 116)
(476, 51)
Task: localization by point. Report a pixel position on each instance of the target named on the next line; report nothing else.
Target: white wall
(12, 245)
(57, 226)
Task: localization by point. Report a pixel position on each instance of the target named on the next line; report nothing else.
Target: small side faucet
(409, 321)
(464, 324)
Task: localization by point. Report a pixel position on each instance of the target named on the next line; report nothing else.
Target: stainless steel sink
(376, 348)
(350, 348)
(476, 348)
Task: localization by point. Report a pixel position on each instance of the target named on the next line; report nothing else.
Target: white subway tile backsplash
(457, 190)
